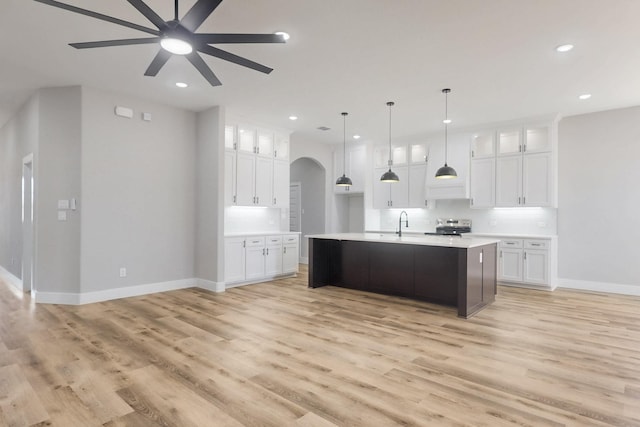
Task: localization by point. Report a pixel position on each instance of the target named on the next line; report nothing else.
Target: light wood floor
(280, 354)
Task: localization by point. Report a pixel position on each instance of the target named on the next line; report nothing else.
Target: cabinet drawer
(290, 239)
(536, 244)
(255, 241)
(274, 240)
(511, 243)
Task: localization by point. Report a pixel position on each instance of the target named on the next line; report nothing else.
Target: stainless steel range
(451, 227)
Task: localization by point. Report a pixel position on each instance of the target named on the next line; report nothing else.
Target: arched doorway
(308, 199)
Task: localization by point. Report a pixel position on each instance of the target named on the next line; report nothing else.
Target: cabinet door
(509, 180)
(483, 183)
(357, 159)
(418, 154)
(510, 265)
(255, 266)
(265, 143)
(229, 178)
(483, 145)
(536, 180)
(245, 179)
(234, 259)
(264, 181)
(417, 178)
(536, 267)
(537, 139)
(281, 148)
(246, 139)
(381, 190)
(400, 190)
(280, 184)
(509, 141)
(290, 255)
(273, 260)
(229, 137)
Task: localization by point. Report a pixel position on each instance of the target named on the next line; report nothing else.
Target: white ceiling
(497, 56)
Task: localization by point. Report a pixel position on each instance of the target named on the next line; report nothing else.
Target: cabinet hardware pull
(519, 148)
(500, 254)
(235, 145)
(524, 148)
(472, 201)
(519, 200)
(524, 200)
(473, 153)
(267, 251)
(285, 249)
(535, 244)
(274, 200)
(525, 255)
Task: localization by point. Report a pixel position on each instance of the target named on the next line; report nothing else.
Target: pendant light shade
(446, 171)
(390, 176)
(344, 180)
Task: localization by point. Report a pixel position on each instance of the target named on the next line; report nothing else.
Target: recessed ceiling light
(564, 48)
(284, 35)
(585, 96)
(446, 121)
(293, 117)
(181, 84)
(356, 136)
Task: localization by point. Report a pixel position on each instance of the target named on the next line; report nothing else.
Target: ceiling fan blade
(108, 43)
(239, 38)
(204, 69)
(149, 13)
(158, 62)
(219, 53)
(99, 16)
(198, 13)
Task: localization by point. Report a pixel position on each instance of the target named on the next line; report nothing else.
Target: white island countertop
(442, 241)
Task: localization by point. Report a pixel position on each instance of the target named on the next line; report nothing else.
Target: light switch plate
(63, 204)
(62, 215)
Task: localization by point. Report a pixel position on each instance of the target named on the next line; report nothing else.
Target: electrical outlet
(123, 272)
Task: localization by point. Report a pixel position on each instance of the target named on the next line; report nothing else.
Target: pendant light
(390, 176)
(344, 180)
(446, 171)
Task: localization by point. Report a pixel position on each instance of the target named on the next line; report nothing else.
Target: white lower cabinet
(290, 254)
(250, 259)
(525, 261)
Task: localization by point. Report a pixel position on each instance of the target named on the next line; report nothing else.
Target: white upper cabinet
(391, 195)
(265, 143)
(483, 182)
(230, 137)
(509, 181)
(246, 139)
(281, 146)
(483, 144)
(417, 189)
(257, 170)
(418, 154)
(509, 141)
(537, 139)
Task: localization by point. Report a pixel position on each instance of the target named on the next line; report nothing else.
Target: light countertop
(442, 241)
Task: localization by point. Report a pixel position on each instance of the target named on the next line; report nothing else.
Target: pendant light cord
(446, 125)
(344, 146)
(176, 9)
(390, 104)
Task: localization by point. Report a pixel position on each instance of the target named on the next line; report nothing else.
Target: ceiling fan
(178, 37)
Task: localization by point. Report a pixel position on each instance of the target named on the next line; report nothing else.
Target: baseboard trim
(611, 288)
(78, 298)
(7, 276)
(210, 285)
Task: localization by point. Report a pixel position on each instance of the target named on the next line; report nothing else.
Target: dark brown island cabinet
(455, 271)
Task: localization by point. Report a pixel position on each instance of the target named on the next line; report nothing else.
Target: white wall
(18, 137)
(57, 243)
(209, 255)
(599, 204)
(138, 192)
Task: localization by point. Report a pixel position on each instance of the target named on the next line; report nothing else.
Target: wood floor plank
(281, 354)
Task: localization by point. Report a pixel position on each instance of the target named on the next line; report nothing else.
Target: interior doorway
(28, 283)
(311, 176)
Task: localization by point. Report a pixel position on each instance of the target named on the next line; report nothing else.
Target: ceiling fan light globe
(176, 46)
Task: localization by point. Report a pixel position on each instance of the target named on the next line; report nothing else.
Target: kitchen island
(456, 271)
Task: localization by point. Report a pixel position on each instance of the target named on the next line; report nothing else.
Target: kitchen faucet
(406, 222)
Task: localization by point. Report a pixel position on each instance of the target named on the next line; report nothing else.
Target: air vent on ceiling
(323, 128)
